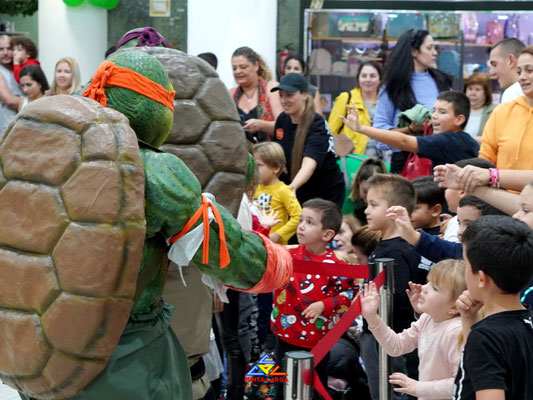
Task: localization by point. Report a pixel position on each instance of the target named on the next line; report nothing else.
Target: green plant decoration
(18, 7)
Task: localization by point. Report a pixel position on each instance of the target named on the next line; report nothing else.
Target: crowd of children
(459, 328)
(458, 281)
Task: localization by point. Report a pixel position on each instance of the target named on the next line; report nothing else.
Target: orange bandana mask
(109, 74)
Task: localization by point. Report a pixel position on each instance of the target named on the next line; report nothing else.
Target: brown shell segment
(36, 216)
(206, 134)
(61, 370)
(33, 285)
(103, 180)
(43, 153)
(88, 259)
(21, 331)
(72, 230)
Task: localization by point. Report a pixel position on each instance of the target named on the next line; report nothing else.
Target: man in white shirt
(9, 89)
(503, 57)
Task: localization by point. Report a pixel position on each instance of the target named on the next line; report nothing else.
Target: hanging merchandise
(107, 4)
(443, 25)
(354, 25)
(470, 26)
(494, 31)
(399, 23)
(449, 62)
(320, 62)
(73, 3)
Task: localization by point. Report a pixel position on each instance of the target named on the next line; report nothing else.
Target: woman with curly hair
(258, 107)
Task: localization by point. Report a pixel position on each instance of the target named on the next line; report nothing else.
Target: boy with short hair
(303, 311)
(426, 215)
(24, 53)
(385, 191)
(432, 247)
(497, 361)
(449, 142)
(429, 205)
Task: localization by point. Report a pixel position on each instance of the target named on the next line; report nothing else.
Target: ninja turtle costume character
(148, 362)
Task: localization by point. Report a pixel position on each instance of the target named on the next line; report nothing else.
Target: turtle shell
(206, 135)
(72, 230)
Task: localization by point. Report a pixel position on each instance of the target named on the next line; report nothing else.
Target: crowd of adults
(22, 80)
(289, 112)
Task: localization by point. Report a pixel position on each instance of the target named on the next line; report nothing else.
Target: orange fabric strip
(110, 74)
(278, 269)
(203, 211)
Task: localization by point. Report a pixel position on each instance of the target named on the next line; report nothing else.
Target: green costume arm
(173, 194)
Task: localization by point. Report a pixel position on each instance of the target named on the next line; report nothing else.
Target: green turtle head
(151, 120)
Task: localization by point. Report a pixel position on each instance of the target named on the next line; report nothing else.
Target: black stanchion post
(299, 366)
(386, 294)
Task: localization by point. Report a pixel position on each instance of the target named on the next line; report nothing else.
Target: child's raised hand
(268, 220)
(313, 311)
(352, 118)
(370, 304)
(401, 219)
(414, 294)
(407, 385)
(447, 176)
(467, 306)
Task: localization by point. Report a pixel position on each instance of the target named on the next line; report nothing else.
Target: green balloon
(73, 3)
(107, 4)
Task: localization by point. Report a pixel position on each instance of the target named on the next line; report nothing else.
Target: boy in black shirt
(497, 361)
(449, 142)
(426, 215)
(385, 191)
(429, 205)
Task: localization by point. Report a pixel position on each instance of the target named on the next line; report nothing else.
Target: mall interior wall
(222, 26)
(79, 32)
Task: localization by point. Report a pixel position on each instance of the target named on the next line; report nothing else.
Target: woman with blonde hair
(258, 107)
(67, 77)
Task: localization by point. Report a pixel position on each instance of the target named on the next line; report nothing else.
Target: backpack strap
(347, 104)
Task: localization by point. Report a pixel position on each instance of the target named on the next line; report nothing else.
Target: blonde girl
(436, 333)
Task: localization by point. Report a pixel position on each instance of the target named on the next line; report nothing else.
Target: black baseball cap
(292, 82)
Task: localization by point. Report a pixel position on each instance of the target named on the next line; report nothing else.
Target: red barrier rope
(330, 269)
(327, 342)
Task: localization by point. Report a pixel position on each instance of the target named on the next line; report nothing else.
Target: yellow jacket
(507, 138)
(337, 126)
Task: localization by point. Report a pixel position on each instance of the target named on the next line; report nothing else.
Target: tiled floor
(6, 393)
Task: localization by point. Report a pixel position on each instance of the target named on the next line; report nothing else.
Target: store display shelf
(441, 42)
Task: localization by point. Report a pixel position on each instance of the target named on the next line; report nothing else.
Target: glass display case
(337, 40)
